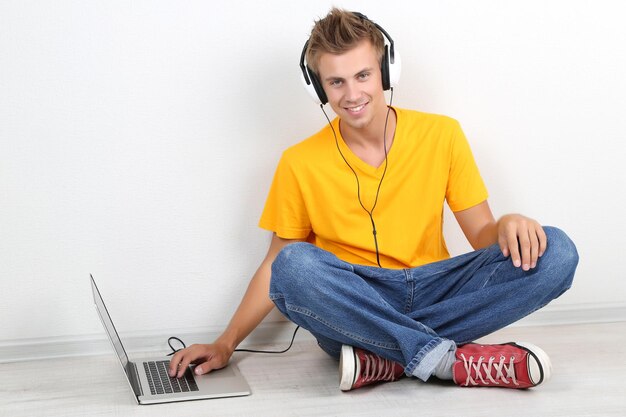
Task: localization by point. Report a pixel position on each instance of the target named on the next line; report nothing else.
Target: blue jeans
(415, 316)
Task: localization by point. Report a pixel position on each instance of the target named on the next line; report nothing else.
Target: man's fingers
(534, 248)
(525, 243)
(182, 359)
(173, 370)
(203, 368)
(209, 357)
(513, 245)
(543, 241)
(523, 238)
(182, 367)
(504, 246)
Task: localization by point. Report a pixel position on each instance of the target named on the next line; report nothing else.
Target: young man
(358, 256)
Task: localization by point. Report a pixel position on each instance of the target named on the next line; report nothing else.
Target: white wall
(138, 140)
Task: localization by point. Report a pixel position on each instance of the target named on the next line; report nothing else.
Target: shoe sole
(542, 371)
(347, 365)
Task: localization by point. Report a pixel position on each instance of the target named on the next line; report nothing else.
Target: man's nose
(353, 92)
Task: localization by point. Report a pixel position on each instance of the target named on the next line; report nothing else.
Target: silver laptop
(150, 382)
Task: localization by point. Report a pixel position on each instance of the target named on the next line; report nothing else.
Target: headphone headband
(384, 32)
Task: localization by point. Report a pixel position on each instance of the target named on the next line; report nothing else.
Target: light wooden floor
(589, 366)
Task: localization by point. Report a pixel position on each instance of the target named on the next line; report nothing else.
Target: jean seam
(308, 313)
(410, 291)
(496, 269)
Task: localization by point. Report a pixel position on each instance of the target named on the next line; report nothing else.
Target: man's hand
(521, 238)
(208, 357)
(254, 306)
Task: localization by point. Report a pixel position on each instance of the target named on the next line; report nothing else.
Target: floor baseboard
(272, 333)
(575, 314)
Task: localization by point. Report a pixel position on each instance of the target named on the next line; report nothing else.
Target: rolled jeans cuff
(423, 365)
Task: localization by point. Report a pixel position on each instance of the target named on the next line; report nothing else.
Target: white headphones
(389, 67)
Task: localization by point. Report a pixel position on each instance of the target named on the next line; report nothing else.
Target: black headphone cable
(358, 185)
(174, 350)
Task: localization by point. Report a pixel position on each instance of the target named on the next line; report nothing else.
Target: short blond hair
(339, 32)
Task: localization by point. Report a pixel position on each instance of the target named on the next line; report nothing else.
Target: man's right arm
(253, 308)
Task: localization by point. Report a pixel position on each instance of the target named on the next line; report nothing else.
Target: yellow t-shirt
(314, 193)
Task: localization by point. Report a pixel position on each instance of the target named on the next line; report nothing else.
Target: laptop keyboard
(161, 383)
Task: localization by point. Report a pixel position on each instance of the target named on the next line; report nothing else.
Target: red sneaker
(360, 367)
(509, 365)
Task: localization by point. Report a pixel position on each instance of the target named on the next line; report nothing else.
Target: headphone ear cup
(317, 85)
(384, 69)
(313, 86)
(394, 69)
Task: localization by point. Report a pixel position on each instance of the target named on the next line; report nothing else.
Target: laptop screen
(108, 325)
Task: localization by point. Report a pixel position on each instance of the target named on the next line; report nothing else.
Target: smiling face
(353, 85)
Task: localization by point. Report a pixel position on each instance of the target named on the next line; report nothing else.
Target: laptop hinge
(133, 377)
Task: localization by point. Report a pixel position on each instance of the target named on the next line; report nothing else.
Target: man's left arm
(518, 236)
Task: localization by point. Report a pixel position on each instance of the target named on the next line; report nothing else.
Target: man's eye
(364, 75)
(335, 83)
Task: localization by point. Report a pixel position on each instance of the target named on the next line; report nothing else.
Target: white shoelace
(377, 369)
(481, 365)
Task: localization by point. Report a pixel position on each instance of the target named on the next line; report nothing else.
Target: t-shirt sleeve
(285, 209)
(465, 187)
